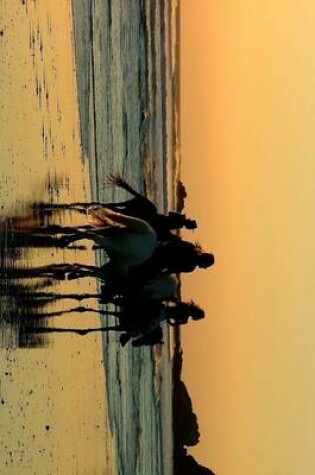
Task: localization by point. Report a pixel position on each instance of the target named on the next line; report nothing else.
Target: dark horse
(140, 321)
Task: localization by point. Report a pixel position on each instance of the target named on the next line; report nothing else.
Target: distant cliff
(185, 425)
(181, 194)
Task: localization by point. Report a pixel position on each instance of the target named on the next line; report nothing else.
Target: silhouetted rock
(186, 430)
(181, 194)
(185, 464)
(185, 424)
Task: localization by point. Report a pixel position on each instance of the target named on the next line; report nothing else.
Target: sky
(248, 150)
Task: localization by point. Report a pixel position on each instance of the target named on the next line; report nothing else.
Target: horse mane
(198, 247)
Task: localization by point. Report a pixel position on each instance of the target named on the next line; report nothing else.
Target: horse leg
(77, 235)
(51, 296)
(51, 270)
(36, 272)
(78, 206)
(81, 332)
(80, 309)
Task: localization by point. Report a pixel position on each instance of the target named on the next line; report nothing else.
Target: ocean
(126, 73)
(118, 114)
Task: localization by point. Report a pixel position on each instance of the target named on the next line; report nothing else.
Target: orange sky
(248, 128)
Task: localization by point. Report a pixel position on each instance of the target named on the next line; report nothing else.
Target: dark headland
(185, 423)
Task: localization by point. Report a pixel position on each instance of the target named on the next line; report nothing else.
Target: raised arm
(117, 180)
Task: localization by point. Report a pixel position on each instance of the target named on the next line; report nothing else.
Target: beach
(88, 89)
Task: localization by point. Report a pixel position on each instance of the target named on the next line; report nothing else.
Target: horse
(141, 321)
(138, 207)
(160, 287)
(128, 241)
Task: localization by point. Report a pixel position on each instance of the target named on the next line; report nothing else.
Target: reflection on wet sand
(54, 409)
(22, 288)
(32, 282)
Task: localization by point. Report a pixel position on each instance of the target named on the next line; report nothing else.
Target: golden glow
(53, 408)
(248, 128)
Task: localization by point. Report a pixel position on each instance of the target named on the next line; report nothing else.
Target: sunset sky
(248, 148)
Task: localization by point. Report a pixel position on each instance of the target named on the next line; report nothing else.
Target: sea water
(127, 82)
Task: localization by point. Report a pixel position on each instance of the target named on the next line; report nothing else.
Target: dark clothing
(139, 207)
(142, 208)
(169, 258)
(142, 316)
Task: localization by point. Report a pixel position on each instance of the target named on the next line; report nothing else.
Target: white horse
(128, 241)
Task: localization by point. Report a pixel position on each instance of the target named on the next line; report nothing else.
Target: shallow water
(126, 82)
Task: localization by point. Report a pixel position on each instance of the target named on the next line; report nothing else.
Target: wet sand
(53, 401)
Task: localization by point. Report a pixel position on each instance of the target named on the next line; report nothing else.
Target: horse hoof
(73, 275)
(63, 242)
(60, 275)
(124, 338)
